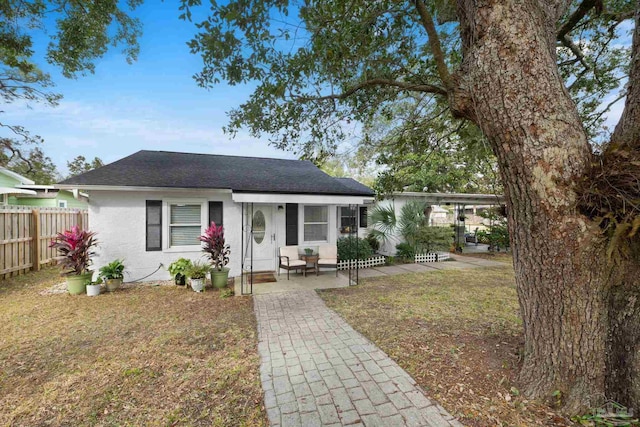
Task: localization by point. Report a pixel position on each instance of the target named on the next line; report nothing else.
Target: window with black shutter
(363, 217)
(291, 220)
(154, 225)
(215, 213)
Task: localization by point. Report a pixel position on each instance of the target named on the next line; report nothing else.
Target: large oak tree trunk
(519, 101)
(623, 344)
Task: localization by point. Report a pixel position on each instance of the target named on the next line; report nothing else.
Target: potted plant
(178, 269)
(112, 274)
(197, 273)
(93, 288)
(308, 251)
(213, 244)
(75, 249)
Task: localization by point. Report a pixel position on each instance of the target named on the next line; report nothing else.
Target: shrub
(75, 248)
(354, 248)
(179, 266)
(213, 244)
(433, 239)
(198, 270)
(373, 242)
(405, 251)
(113, 270)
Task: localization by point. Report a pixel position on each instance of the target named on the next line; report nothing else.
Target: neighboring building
(18, 190)
(149, 208)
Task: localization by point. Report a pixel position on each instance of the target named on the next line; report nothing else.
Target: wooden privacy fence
(25, 233)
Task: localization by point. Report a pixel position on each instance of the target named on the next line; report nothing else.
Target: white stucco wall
(119, 218)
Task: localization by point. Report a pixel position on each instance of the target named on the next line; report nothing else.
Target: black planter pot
(180, 279)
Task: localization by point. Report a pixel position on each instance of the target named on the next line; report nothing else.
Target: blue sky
(151, 104)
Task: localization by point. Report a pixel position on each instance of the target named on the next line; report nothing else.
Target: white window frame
(62, 204)
(304, 223)
(166, 219)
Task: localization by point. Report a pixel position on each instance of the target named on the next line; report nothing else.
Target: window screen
(316, 223)
(184, 224)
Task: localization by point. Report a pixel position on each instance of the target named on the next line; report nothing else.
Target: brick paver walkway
(316, 370)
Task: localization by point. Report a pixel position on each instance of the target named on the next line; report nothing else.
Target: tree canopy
(80, 165)
(321, 67)
(79, 32)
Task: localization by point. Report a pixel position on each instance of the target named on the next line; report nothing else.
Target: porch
(328, 280)
(297, 282)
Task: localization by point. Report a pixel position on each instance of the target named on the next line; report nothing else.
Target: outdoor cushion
(327, 261)
(293, 262)
(291, 252)
(327, 252)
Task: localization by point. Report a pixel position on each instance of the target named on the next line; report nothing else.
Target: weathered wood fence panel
(25, 233)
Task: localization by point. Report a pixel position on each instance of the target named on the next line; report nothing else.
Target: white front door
(263, 241)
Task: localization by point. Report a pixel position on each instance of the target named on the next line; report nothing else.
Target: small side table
(312, 262)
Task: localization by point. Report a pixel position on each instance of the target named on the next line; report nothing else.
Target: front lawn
(457, 332)
(145, 356)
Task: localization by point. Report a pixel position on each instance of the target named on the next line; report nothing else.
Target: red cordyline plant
(74, 247)
(215, 247)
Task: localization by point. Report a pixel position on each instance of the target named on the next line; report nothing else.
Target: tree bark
(623, 344)
(518, 99)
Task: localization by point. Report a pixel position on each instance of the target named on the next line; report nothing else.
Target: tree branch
(434, 42)
(575, 17)
(567, 42)
(403, 86)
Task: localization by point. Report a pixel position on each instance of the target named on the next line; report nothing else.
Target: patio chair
(328, 257)
(289, 259)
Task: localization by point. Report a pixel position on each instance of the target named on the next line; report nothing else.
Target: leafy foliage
(364, 71)
(179, 266)
(382, 222)
(373, 242)
(80, 165)
(405, 251)
(434, 239)
(37, 167)
(75, 249)
(497, 234)
(197, 270)
(353, 248)
(80, 32)
(114, 270)
(213, 244)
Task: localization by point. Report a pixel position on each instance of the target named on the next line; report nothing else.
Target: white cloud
(114, 130)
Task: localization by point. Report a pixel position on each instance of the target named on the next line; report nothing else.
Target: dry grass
(493, 256)
(457, 332)
(144, 356)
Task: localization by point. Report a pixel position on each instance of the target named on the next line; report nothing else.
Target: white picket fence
(431, 257)
(362, 263)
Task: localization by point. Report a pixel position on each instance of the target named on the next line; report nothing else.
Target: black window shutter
(363, 217)
(215, 213)
(291, 220)
(154, 225)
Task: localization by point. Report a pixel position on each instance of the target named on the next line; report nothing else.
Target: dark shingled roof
(240, 174)
(353, 184)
